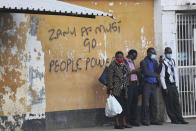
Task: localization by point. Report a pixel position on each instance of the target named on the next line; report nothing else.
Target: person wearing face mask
(150, 70)
(169, 81)
(132, 89)
(117, 82)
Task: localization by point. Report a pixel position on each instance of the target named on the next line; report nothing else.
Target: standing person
(150, 71)
(117, 79)
(132, 89)
(169, 81)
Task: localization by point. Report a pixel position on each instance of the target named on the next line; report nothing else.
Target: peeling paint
(11, 107)
(96, 3)
(111, 11)
(22, 71)
(142, 30)
(11, 32)
(111, 4)
(14, 106)
(145, 44)
(139, 3)
(34, 23)
(13, 91)
(3, 48)
(10, 68)
(19, 18)
(2, 72)
(14, 50)
(36, 71)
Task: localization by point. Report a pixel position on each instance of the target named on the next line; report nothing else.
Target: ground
(165, 127)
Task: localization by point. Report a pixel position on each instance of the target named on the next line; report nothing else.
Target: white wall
(157, 25)
(165, 22)
(165, 30)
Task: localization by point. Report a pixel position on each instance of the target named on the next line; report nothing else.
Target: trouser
(132, 103)
(123, 102)
(149, 103)
(173, 107)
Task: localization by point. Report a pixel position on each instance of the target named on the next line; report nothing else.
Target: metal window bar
(186, 62)
(194, 84)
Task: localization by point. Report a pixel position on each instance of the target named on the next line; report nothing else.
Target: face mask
(119, 60)
(169, 56)
(153, 56)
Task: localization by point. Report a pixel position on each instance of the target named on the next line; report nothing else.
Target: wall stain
(34, 24)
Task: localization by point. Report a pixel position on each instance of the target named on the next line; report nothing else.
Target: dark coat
(114, 78)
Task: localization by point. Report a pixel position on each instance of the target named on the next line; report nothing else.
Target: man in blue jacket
(150, 71)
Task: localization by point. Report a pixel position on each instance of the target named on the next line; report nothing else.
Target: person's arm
(127, 66)
(146, 72)
(162, 77)
(160, 66)
(135, 71)
(176, 76)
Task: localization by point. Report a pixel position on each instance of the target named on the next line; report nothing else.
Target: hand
(138, 70)
(165, 91)
(110, 92)
(161, 59)
(158, 76)
(135, 71)
(138, 83)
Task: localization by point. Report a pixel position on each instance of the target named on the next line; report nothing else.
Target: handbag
(103, 77)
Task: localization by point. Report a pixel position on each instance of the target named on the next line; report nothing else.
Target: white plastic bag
(112, 107)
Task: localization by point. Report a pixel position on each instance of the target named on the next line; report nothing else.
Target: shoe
(127, 126)
(156, 123)
(175, 122)
(145, 124)
(135, 123)
(118, 127)
(184, 122)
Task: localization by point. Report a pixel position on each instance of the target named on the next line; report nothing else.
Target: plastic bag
(112, 107)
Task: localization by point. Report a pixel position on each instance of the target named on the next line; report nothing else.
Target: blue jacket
(149, 76)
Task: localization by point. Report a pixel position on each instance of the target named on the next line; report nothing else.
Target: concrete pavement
(165, 127)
